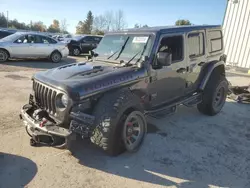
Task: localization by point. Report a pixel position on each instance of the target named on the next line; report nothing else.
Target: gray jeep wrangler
(133, 74)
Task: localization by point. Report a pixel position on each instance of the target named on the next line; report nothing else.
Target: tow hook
(32, 142)
(44, 121)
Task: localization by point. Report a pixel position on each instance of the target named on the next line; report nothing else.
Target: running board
(194, 100)
(169, 109)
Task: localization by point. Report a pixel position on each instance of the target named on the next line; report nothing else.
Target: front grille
(45, 97)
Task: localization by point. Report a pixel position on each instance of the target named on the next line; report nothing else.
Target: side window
(26, 39)
(21, 39)
(97, 39)
(38, 39)
(44, 40)
(31, 39)
(52, 41)
(88, 39)
(215, 41)
(173, 45)
(196, 44)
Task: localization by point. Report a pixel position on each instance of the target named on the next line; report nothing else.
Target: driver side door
(168, 83)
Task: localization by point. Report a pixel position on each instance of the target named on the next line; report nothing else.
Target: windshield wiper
(140, 52)
(119, 50)
(114, 53)
(122, 48)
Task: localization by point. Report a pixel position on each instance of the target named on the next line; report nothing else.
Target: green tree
(136, 26)
(140, 26)
(38, 26)
(88, 24)
(3, 20)
(145, 26)
(85, 27)
(54, 27)
(182, 22)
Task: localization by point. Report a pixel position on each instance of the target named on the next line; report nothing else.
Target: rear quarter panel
(214, 39)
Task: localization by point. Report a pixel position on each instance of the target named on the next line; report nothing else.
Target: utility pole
(7, 19)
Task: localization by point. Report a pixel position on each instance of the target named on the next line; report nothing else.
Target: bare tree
(99, 23)
(63, 25)
(119, 21)
(109, 20)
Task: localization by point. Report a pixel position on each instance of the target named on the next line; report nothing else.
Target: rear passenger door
(196, 58)
(43, 46)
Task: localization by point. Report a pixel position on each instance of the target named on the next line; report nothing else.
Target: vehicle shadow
(191, 150)
(16, 171)
(40, 63)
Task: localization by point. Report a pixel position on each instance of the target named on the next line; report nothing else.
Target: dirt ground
(185, 150)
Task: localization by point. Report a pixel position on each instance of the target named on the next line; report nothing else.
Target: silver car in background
(32, 45)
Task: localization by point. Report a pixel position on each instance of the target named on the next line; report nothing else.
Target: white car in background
(66, 38)
(32, 45)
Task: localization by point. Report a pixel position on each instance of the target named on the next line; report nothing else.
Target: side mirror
(95, 54)
(164, 58)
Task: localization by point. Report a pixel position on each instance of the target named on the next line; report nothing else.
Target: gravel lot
(183, 150)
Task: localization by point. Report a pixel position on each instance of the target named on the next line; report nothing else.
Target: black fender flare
(75, 46)
(209, 70)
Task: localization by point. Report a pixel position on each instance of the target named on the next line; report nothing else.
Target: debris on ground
(241, 94)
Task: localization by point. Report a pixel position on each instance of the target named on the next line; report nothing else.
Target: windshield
(10, 37)
(111, 46)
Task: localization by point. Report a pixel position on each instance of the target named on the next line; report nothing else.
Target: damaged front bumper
(46, 132)
(41, 133)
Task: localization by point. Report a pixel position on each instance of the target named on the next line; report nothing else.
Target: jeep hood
(81, 79)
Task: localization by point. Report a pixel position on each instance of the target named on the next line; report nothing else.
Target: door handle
(201, 63)
(181, 70)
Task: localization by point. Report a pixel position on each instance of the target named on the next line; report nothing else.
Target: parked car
(67, 38)
(32, 45)
(83, 44)
(5, 33)
(133, 74)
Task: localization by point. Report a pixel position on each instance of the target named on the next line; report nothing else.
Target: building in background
(236, 30)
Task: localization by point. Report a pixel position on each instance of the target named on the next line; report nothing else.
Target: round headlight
(64, 100)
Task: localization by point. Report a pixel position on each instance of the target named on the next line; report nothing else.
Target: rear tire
(56, 57)
(214, 95)
(4, 56)
(111, 112)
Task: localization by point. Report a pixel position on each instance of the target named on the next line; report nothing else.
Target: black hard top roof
(166, 29)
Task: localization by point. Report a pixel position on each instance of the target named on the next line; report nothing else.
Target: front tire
(114, 114)
(4, 56)
(76, 51)
(56, 57)
(214, 95)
